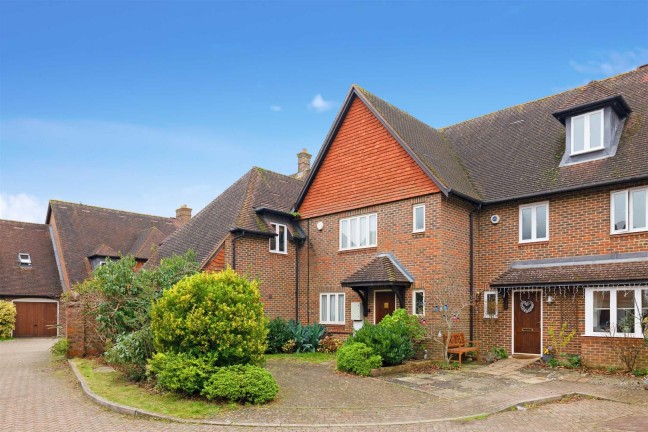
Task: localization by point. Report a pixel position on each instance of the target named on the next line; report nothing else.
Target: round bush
(241, 383)
(216, 313)
(391, 342)
(357, 358)
(7, 318)
(181, 373)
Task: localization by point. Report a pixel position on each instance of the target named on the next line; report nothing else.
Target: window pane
(344, 237)
(323, 302)
(595, 130)
(491, 305)
(340, 308)
(541, 222)
(273, 240)
(418, 303)
(601, 313)
(419, 218)
(363, 231)
(620, 216)
(644, 311)
(526, 223)
(578, 136)
(625, 311)
(282, 238)
(353, 235)
(332, 308)
(372, 230)
(638, 200)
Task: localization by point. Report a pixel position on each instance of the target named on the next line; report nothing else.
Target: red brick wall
(364, 166)
(600, 352)
(217, 263)
(436, 258)
(579, 224)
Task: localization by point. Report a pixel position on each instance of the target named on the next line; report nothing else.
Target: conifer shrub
(357, 358)
(241, 383)
(7, 318)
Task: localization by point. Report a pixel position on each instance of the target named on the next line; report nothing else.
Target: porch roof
(581, 274)
(383, 270)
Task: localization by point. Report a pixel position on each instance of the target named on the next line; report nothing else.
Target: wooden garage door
(35, 319)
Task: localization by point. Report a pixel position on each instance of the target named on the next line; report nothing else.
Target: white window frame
(24, 261)
(367, 224)
(414, 302)
(486, 294)
(276, 238)
(589, 311)
(417, 206)
(340, 317)
(586, 133)
(628, 211)
(533, 207)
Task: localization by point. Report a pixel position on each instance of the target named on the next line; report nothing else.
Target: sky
(144, 106)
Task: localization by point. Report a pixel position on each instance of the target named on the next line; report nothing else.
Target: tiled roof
(41, 279)
(234, 208)
(627, 271)
(103, 250)
(516, 152)
(83, 230)
(380, 270)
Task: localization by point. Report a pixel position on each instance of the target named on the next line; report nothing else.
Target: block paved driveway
(38, 394)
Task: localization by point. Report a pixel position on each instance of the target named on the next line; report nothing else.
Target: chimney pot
(303, 163)
(183, 214)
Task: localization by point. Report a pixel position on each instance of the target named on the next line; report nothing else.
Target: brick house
(250, 228)
(537, 213)
(39, 262)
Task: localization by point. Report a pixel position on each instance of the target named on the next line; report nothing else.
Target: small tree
(449, 304)
(7, 318)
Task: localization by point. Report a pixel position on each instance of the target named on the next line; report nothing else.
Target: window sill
(616, 336)
(628, 233)
(332, 323)
(357, 249)
(278, 253)
(534, 242)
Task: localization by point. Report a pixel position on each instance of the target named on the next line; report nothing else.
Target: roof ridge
(109, 209)
(12, 222)
(254, 167)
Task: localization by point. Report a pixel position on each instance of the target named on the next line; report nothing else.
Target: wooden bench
(458, 345)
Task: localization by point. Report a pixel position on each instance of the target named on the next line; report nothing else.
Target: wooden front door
(35, 319)
(527, 332)
(385, 304)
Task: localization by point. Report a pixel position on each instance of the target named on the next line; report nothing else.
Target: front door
(526, 326)
(385, 304)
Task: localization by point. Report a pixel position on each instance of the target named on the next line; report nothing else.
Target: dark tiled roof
(379, 270)
(39, 280)
(83, 230)
(146, 240)
(627, 271)
(592, 92)
(234, 208)
(103, 250)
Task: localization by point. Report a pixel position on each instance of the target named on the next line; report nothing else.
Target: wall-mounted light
(550, 300)
(320, 225)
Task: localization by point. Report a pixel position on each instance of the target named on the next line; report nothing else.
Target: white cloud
(319, 104)
(22, 207)
(275, 108)
(612, 62)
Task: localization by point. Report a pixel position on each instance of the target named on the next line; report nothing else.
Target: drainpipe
(298, 246)
(238, 236)
(308, 272)
(472, 271)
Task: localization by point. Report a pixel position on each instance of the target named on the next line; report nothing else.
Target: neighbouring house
(39, 262)
(250, 228)
(537, 212)
(29, 277)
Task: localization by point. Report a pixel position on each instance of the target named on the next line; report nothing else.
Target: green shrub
(183, 372)
(307, 338)
(499, 352)
(390, 342)
(216, 313)
(60, 348)
(357, 358)
(131, 352)
(329, 344)
(241, 383)
(278, 334)
(7, 318)
(415, 331)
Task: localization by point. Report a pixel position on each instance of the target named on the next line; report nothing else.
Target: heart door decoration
(526, 306)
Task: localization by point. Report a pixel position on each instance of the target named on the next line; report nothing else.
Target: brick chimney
(303, 163)
(183, 214)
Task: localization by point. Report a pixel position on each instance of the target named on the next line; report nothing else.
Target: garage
(36, 319)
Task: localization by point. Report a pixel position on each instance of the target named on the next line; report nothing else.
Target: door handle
(527, 329)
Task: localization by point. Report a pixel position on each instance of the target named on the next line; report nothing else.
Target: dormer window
(587, 132)
(24, 259)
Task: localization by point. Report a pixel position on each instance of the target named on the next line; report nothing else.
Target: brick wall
(83, 339)
(600, 352)
(579, 224)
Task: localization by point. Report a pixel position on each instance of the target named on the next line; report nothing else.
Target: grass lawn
(310, 357)
(114, 387)
(6, 339)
